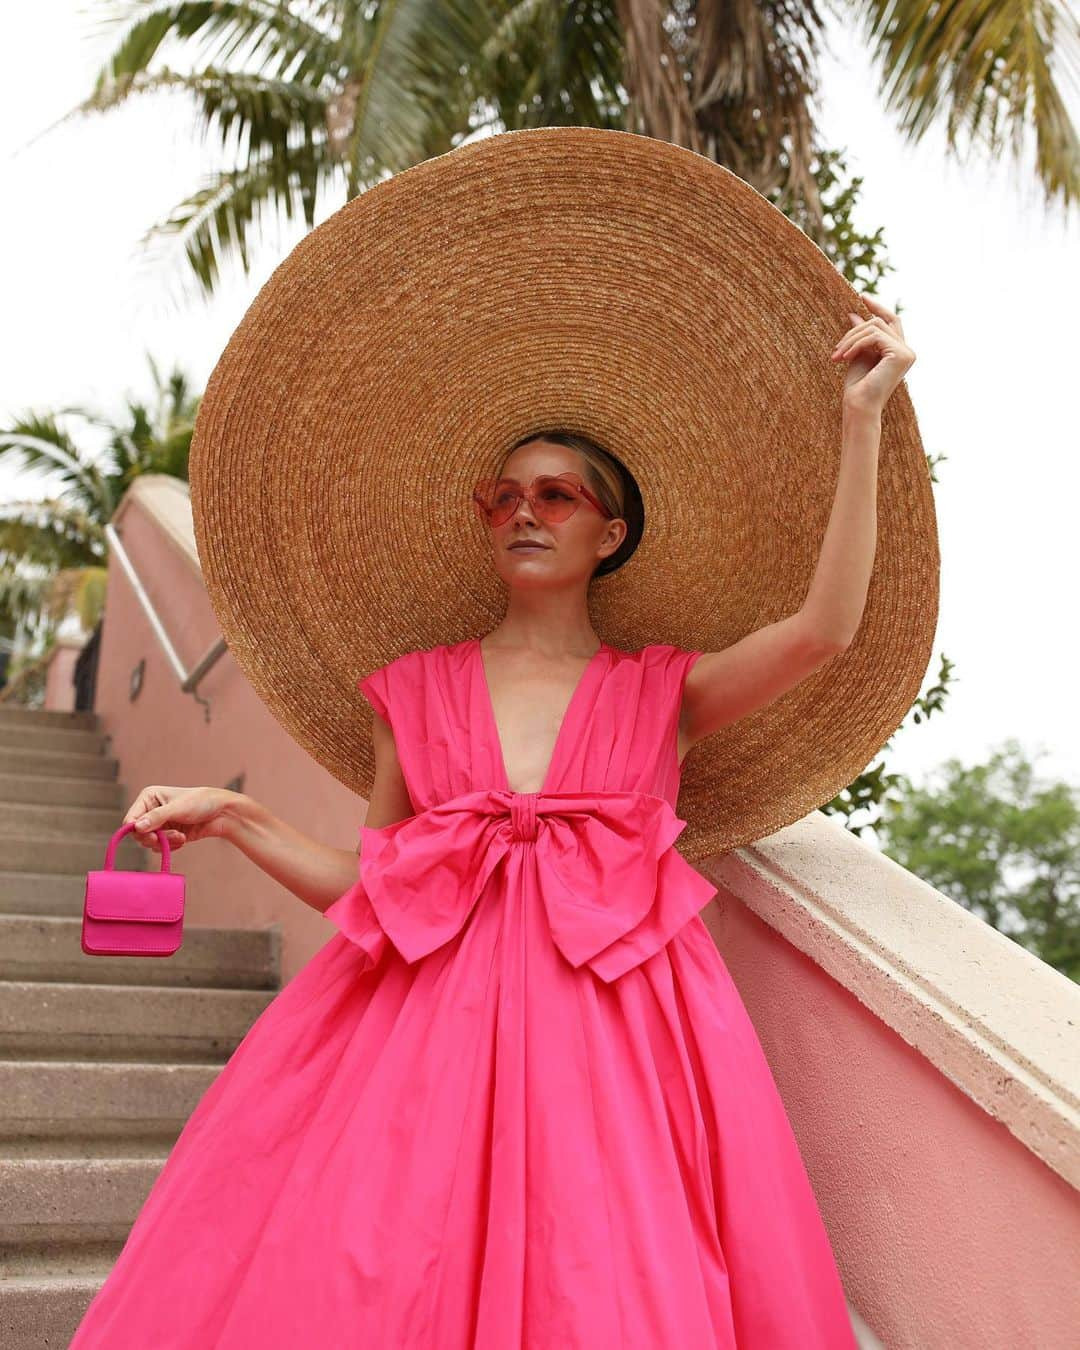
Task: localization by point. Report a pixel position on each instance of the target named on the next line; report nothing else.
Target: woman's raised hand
(184, 813)
(877, 354)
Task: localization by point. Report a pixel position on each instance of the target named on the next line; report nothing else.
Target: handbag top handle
(110, 852)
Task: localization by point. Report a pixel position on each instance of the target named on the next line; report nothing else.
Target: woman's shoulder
(403, 673)
(660, 671)
(659, 654)
(386, 686)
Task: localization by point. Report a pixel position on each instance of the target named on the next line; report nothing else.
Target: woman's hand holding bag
(127, 913)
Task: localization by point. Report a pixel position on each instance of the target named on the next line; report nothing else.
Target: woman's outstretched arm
(317, 873)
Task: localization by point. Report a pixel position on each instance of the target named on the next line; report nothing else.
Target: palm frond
(276, 35)
(41, 446)
(987, 69)
(50, 533)
(214, 222)
(271, 34)
(410, 61)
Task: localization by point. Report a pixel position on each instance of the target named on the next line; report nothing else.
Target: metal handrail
(188, 679)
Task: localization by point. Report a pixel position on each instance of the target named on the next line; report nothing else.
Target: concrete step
(102, 1059)
(89, 1146)
(54, 851)
(63, 1100)
(38, 736)
(45, 947)
(124, 1022)
(16, 715)
(74, 820)
(63, 1222)
(55, 763)
(54, 1260)
(73, 1200)
(32, 788)
(34, 893)
(42, 1312)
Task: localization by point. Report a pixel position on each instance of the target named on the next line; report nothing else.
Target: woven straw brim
(618, 285)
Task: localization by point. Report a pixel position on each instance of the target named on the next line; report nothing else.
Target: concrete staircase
(102, 1059)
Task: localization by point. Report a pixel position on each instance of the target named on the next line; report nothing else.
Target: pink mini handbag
(133, 913)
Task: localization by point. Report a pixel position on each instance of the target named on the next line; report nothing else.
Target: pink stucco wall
(59, 691)
(949, 1233)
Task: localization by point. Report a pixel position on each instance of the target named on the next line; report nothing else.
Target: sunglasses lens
(553, 496)
(495, 499)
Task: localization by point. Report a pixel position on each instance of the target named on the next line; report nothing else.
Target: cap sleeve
(376, 689)
(680, 662)
(685, 660)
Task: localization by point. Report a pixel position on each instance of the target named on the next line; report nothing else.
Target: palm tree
(53, 550)
(337, 94)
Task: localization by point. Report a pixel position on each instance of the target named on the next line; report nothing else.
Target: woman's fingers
(150, 799)
(146, 814)
(854, 335)
(863, 344)
(886, 314)
(175, 838)
(183, 814)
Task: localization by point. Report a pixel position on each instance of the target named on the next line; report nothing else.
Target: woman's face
(571, 548)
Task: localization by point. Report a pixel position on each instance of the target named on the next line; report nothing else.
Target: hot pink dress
(516, 1099)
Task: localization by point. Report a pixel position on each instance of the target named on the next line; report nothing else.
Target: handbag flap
(142, 897)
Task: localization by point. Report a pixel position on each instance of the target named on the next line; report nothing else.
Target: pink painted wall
(949, 1233)
(163, 736)
(59, 692)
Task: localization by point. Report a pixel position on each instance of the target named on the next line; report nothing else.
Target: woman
(516, 1100)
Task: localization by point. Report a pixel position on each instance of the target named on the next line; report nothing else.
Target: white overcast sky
(986, 276)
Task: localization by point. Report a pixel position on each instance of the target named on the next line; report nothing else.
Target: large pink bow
(613, 888)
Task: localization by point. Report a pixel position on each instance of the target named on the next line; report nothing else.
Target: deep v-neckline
(489, 708)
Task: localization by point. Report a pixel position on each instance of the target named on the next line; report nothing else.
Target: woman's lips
(527, 548)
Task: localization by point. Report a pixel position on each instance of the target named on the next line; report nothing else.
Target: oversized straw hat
(622, 287)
